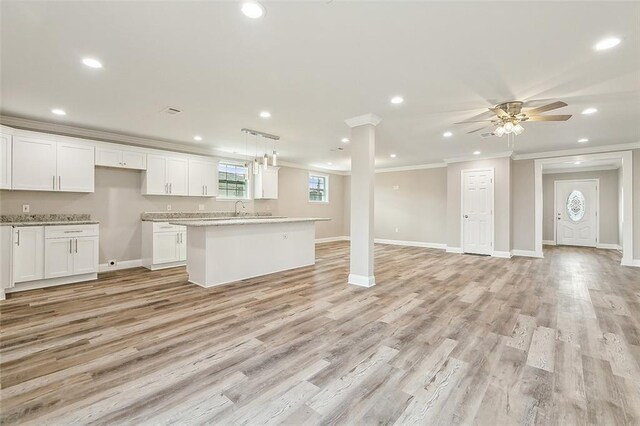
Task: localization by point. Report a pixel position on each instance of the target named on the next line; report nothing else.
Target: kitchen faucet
(235, 207)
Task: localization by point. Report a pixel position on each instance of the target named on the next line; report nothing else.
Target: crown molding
(578, 151)
(505, 154)
(410, 168)
(361, 120)
(26, 124)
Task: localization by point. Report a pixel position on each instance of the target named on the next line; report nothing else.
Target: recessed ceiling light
(607, 43)
(197, 138)
(58, 111)
(590, 111)
(576, 162)
(344, 140)
(397, 100)
(330, 163)
(92, 63)
(265, 114)
(253, 9)
(393, 156)
(447, 134)
(476, 152)
(583, 140)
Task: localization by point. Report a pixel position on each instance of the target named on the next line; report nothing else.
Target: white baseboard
(362, 280)
(608, 246)
(331, 239)
(526, 253)
(630, 262)
(454, 250)
(125, 264)
(411, 243)
(502, 254)
(548, 242)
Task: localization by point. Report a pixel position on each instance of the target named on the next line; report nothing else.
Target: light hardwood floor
(442, 339)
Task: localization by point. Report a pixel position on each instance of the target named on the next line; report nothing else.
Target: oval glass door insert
(575, 205)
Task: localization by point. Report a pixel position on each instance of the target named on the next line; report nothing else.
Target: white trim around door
(555, 206)
(627, 200)
(464, 213)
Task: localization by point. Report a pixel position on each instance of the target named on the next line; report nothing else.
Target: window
(318, 188)
(232, 181)
(575, 205)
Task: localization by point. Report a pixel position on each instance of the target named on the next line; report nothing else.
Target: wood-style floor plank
(441, 339)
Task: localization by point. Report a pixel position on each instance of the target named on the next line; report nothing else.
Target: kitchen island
(224, 251)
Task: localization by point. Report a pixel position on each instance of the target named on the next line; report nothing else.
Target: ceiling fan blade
(499, 112)
(486, 135)
(545, 108)
(549, 118)
(473, 121)
(477, 130)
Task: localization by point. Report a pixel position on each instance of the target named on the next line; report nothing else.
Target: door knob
(466, 217)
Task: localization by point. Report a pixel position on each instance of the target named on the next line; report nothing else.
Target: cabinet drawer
(70, 231)
(166, 227)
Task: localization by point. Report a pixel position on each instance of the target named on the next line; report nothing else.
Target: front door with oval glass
(576, 212)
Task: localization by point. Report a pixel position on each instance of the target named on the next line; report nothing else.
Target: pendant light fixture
(246, 154)
(255, 164)
(274, 157)
(265, 157)
(255, 158)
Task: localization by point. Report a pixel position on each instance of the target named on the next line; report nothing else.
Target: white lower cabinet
(28, 253)
(85, 255)
(58, 257)
(70, 250)
(163, 245)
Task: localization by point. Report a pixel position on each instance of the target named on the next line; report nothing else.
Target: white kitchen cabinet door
(178, 176)
(76, 167)
(155, 182)
(5, 161)
(58, 257)
(266, 184)
(108, 157)
(165, 247)
(28, 253)
(85, 255)
(34, 164)
(203, 178)
(182, 245)
(134, 160)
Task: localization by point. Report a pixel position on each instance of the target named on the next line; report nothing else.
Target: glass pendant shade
(274, 158)
(265, 161)
(518, 129)
(508, 127)
(499, 131)
(255, 167)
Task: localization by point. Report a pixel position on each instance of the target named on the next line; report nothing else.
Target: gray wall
(417, 208)
(117, 204)
(502, 200)
(636, 204)
(607, 213)
(522, 197)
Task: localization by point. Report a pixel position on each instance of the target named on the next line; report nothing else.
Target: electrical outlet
(168, 207)
(201, 207)
(25, 208)
(396, 187)
(285, 236)
(396, 229)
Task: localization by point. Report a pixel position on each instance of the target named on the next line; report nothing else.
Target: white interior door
(477, 211)
(576, 213)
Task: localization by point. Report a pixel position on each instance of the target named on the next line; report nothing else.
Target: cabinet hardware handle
(54, 183)
(202, 189)
(76, 245)
(170, 188)
(70, 245)
(59, 183)
(72, 232)
(177, 238)
(166, 188)
(206, 190)
(18, 231)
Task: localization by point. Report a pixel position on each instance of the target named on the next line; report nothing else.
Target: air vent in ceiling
(171, 111)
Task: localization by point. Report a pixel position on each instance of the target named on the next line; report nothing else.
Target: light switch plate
(200, 207)
(25, 208)
(168, 207)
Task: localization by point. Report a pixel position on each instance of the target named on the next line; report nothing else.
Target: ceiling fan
(509, 116)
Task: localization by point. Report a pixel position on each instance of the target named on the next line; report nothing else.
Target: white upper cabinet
(166, 176)
(47, 165)
(266, 184)
(5, 161)
(203, 179)
(75, 165)
(120, 158)
(34, 164)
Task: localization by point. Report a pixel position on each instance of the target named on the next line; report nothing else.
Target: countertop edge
(231, 222)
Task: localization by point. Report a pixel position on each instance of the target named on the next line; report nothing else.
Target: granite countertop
(235, 221)
(175, 216)
(46, 219)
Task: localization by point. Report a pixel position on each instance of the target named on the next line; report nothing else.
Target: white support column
(363, 144)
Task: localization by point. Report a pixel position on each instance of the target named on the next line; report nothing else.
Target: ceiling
(314, 64)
